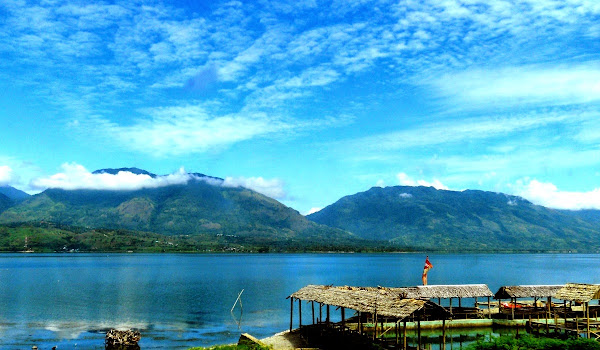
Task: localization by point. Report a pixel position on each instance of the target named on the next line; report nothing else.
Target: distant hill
(199, 207)
(13, 193)
(5, 202)
(430, 219)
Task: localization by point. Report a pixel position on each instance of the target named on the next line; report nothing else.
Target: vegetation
(534, 343)
(436, 220)
(200, 209)
(50, 237)
(233, 347)
(202, 215)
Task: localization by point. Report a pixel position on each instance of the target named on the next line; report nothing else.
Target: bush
(534, 343)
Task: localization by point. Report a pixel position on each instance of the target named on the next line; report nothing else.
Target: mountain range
(425, 218)
(391, 218)
(202, 206)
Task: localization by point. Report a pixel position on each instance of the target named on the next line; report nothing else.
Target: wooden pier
(383, 315)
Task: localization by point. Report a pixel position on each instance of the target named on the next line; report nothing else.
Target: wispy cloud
(273, 188)
(188, 129)
(102, 56)
(550, 85)
(466, 129)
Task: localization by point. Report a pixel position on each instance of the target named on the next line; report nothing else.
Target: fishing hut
(526, 309)
(450, 292)
(579, 320)
(376, 309)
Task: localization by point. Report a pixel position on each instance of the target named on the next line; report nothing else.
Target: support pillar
(291, 313)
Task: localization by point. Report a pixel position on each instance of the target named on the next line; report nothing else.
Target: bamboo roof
(446, 291)
(578, 292)
(382, 301)
(537, 291)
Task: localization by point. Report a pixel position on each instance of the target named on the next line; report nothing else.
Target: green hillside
(197, 208)
(13, 193)
(5, 202)
(430, 219)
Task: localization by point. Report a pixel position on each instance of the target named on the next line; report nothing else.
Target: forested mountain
(13, 193)
(199, 207)
(430, 219)
(5, 202)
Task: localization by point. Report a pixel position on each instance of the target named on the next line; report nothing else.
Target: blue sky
(306, 101)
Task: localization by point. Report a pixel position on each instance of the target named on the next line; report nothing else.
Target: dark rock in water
(122, 340)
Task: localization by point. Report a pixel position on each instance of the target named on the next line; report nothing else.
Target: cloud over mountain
(271, 188)
(548, 195)
(5, 175)
(77, 177)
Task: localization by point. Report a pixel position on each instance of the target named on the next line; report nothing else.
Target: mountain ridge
(473, 220)
(198, 207)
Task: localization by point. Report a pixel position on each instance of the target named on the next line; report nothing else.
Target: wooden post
(419, 332)
(514, 304)
(327, 319)
(565, 312)
(404, 336)
(320, 313)
(459, 302)
(343, 318)
(312, 303)
(375, 324)
(450, 305)
(299, 313)
(490, 308)
(397, 321)
(587, 311)
(360, 323)
(444, 333)
(291, 313)
(382, 329)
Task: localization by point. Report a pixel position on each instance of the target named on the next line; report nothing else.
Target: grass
(535, 343)
(233, 347)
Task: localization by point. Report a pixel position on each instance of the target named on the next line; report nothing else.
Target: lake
(178, 301)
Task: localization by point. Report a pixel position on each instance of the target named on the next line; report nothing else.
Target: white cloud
(406, 180)
(524, 84)
(405, 195)
(191, 129)
(548, 195)
(312, 211)
(6, 175)
(76, 177)
(271, 188)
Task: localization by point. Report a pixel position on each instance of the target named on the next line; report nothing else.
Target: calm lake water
(179, 301)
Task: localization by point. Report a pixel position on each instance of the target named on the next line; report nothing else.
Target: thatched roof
(508, 292)
(382, 301)
(446, 291)
(578, 292)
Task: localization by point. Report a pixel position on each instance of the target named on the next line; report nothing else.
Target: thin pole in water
(236, 300)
